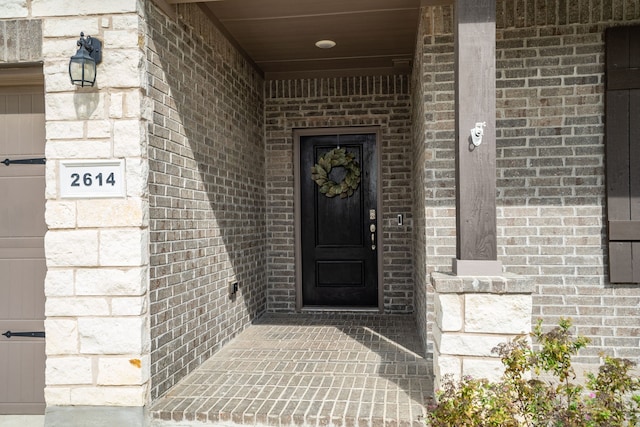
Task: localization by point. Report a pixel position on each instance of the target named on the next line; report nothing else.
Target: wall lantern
(82, 65)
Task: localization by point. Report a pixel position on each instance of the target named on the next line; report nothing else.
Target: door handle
(372, 229)
(10, 334)
(38, 161)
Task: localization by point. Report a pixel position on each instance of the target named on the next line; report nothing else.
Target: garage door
(22, 264)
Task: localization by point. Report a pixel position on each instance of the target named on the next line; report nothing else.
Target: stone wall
(550, 164)
(97, 336)
(473, 316)
(206, 192)
(382, 101)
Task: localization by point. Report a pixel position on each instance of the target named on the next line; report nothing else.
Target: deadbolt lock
(372, 228)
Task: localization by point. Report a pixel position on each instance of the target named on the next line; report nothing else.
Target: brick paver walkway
(350, 370)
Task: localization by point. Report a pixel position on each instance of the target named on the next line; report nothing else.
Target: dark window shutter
(623, 152)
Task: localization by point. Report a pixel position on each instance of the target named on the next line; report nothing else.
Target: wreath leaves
(338, 157)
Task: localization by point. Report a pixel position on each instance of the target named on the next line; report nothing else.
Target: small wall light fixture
(83, 65)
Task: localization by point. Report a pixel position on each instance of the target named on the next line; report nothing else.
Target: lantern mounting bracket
(93, 46)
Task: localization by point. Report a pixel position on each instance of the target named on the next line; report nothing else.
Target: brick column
(474, 315)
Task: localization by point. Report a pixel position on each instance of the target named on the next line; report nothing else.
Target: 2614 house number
(92, 179)
(89, 180)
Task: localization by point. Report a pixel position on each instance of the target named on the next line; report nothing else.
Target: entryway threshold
(308, 369)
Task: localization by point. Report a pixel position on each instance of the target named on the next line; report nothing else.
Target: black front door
(339, 220)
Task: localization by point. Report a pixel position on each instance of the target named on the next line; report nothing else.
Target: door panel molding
(297, 134)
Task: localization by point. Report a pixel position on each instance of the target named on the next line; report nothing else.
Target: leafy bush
(522, 399)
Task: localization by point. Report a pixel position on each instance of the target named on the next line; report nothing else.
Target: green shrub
(521, 399)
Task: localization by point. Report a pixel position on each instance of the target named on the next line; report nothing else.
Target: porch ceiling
(372, 36)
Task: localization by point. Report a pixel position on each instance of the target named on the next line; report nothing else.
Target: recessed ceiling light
(325, 44)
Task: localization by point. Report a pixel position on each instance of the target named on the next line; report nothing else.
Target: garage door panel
(24, 248)
(21, 386)
(21, 100)
(22, 291)
(21, 171)
(26, 129)
(22, 263)
(22, 130)
(31, 134)
(27, 220)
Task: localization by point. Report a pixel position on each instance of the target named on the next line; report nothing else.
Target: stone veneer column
(97, 327)
(474, 315)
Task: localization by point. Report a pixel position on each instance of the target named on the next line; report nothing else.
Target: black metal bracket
(10, 334)
(38, 161)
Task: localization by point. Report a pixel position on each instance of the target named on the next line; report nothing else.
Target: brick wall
(339, 102)
(550, 168)
(423, 305)
(206, 192)
(19, 39)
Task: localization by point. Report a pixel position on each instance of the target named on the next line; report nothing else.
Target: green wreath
(338, 157)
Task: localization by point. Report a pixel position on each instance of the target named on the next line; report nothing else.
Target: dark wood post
(475, 50)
